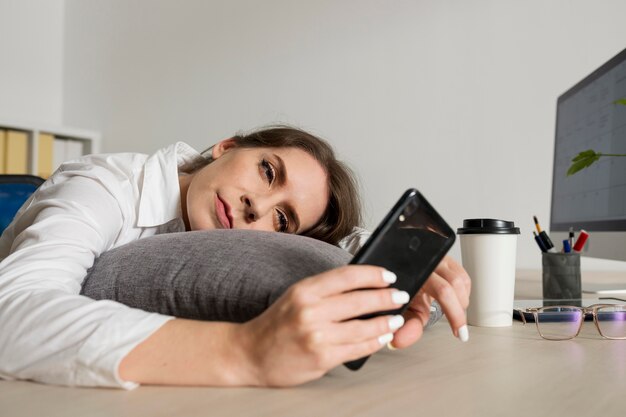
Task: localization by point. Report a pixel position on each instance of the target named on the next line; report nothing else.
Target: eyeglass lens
(558, 323)
(612, 321)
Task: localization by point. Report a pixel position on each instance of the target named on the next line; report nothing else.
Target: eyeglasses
(564, 322)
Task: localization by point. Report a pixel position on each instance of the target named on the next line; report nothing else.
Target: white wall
(31, 60)
(456, 98)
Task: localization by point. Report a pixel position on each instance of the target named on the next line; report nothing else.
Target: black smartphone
(410, 241)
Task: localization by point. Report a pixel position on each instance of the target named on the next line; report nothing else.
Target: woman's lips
(221, 208)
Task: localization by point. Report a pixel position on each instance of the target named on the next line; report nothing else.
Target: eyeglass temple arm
(611, 298)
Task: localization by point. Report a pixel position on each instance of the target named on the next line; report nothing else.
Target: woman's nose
(255, 208)
(248, 210)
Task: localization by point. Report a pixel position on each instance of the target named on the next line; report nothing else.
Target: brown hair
(343, 211)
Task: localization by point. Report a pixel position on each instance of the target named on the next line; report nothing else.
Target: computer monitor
(589, 116)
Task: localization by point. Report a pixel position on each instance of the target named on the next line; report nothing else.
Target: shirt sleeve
(50, 333)
(355, 240)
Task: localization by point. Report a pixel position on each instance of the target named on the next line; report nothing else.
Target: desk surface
(500, 371)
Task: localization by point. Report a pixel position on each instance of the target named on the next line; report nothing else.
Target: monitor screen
(591, 116)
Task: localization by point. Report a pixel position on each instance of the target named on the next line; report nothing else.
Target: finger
(357, 331)
(454, 273)
(443, 292)
(347, 278)
(420, 307)
(416, 316)
(357, 303)
(351, 352)
(410, 333)
(461, 281)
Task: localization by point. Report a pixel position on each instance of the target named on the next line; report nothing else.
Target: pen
(540, 243)
(571, 236)
(544, 237)
(567, 248)
(580, 242)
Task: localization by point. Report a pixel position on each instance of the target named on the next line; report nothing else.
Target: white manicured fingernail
(390, 346)
(389, 276)
(386, 338)
(463, 334)
(396, 322)
(400, 297)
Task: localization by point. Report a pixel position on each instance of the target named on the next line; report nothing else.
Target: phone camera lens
(410, 208)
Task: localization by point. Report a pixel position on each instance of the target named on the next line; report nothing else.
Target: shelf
(89, 141)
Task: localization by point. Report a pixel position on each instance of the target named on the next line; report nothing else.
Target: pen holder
(561, 276)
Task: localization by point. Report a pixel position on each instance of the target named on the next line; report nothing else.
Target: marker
(571, 236)
(544, 237)
(566, 246)
(540, 243)
(580, 242)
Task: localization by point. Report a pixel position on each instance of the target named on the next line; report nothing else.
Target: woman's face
(273, 189)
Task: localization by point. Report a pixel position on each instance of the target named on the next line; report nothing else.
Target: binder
(45, 155)
(66, 150)
(16, 152)
(73, 149)
(58, 152)
(3, 146)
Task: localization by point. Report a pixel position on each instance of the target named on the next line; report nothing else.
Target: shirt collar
(159, 201)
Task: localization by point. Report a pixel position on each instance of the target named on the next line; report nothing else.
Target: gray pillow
(218, 275)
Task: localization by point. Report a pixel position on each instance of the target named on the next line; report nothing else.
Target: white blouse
(48, 332)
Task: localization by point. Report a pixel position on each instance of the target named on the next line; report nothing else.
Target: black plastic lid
(487, 226)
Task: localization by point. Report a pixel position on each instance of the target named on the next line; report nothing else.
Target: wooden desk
(499, 372)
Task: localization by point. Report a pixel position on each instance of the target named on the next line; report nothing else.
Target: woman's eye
(281, 220)
(269, 171)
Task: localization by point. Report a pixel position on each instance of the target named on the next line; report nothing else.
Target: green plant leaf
(621, 101)
(583, 160)
(589, 153)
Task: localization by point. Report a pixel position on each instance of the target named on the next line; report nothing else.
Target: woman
(278, 179)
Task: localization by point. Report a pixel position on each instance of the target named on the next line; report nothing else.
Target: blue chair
(14, 191)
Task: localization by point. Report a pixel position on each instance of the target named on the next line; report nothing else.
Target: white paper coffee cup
(489, 251)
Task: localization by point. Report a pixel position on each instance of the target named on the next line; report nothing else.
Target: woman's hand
(307, 331)
(450, 285)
